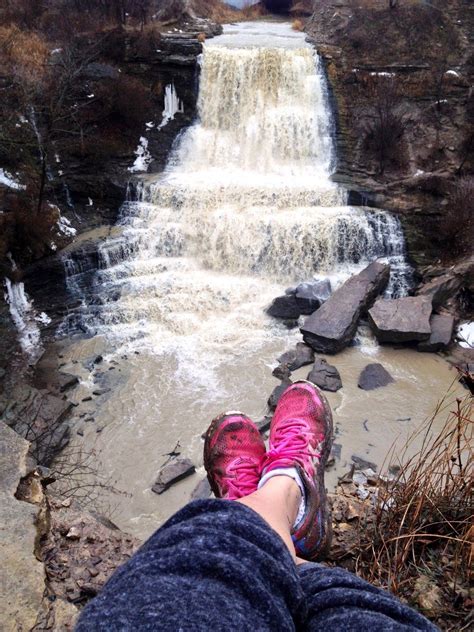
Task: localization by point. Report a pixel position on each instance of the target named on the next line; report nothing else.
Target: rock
(442, 326)
(21, 575)
(333, 325)
(264, 424)
(325, 376)
(441, 289)
(295, 358)
(284, 307)
(77, 568)
(172, 473)
(401, 319)
(428, 595)
(96, 71)
(282, 372)
(374, 376)
(277, 393)
(311, 295)
(202, 491)
(73, 534)
(362, 464)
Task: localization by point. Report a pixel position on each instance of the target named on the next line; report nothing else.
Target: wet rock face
(22, 575)
(374, 376)
(39, 417)
(333, 325)
(401, 319)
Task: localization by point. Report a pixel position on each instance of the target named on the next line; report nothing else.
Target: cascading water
(246, 203)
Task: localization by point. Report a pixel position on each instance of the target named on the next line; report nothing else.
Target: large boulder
(325, 376)
(442, 326)
(333, 325)
(401, 319)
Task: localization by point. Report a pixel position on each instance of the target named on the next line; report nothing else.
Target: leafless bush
(76, 475)
(423, 527)
(385, 122)
(457, 223)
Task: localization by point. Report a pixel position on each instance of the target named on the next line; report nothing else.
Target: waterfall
(245, 205)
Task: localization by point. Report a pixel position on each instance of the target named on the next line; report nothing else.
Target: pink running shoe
(233, 455)
(301, 436)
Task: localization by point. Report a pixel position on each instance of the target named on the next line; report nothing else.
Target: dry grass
(420, 545)
(297, 25)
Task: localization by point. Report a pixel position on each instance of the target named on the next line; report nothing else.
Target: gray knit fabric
(216, 565)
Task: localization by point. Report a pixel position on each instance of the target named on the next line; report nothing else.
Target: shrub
(456, 228)
(422, 533)
(385, 122)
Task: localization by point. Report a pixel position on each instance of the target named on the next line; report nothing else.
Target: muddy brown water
(150, 409)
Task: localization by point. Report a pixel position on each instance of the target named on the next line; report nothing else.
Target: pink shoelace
(292, 440)
(246, 474)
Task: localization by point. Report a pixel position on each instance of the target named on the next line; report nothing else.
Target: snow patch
(466, 335)
(382, 74)
(8, 180)
(453, 73)
(43, 318)
(143, 156)
(64, 227)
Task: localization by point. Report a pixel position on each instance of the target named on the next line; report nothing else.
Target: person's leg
(339, 600)
(216, 564)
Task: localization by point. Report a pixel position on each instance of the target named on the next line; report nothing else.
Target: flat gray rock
(333, 325)
(295, 358)
(401, 319)
(442, 326)
(172, 473)
(325, 376)
(374, 376)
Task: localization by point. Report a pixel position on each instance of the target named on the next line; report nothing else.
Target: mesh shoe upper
(233, 455)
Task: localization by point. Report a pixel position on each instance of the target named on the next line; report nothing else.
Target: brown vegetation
(457, 221)
(384, 122)
(420, 544)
